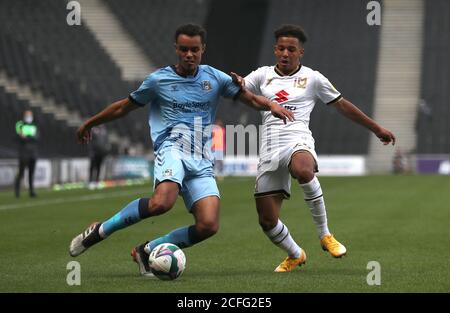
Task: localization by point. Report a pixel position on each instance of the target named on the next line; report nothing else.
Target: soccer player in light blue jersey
(183, 101)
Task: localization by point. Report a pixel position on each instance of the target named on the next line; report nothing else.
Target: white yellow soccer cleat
(334, 247)
(290, 263)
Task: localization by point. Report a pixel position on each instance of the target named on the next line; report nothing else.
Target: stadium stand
(153, 23)
(64, 62)
(67, 64)
(228, 51)
(433, 127)
(331, 50)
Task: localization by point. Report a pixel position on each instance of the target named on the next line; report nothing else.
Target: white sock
(314, 200)
(281, 237)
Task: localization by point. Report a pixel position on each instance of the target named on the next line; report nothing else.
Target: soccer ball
(167, 261)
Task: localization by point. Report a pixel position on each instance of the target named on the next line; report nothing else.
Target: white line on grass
(97, 196)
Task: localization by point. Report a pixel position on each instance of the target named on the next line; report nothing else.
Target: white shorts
(273, 175)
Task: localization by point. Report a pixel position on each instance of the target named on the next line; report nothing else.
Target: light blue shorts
(195, 177)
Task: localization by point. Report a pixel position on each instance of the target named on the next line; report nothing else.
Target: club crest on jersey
(300, 82)
(206, 85)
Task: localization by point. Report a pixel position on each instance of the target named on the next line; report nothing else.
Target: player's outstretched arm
(111, 112)
(261, 103)
(350, 111)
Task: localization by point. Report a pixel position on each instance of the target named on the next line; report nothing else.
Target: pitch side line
(96, 196)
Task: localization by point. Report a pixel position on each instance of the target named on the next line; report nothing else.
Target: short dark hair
(191, 30)
(290, 30)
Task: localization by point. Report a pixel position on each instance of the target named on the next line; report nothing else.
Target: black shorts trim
(286, 195)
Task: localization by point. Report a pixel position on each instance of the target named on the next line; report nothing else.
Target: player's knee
(159, 205)
(267, 223)
(304, 175)
(207, 229)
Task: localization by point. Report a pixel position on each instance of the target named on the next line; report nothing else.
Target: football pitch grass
(402, 222)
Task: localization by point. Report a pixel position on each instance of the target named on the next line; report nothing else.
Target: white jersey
(297, 92)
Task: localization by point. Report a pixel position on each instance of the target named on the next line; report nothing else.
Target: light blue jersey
(182, 112)
(179, 100)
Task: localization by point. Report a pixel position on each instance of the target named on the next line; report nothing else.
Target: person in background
(218, 147)
(27, 136)
(98, 150)
(400, 162)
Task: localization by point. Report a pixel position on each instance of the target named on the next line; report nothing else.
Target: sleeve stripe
(135, 101)
(335, 99)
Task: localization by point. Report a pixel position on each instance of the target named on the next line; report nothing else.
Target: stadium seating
(67, 64)
(433, 120)
(153, 23)
(63, 62)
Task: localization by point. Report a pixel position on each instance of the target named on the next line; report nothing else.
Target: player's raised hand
(385, 136)
(84, 134)
(238, 79)
(281, 112)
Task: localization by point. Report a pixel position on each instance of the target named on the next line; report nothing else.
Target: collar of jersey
(290, 74)
(174, 69)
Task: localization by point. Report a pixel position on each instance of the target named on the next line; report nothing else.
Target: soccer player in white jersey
(288, 149)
